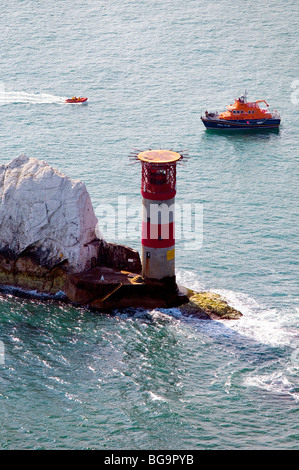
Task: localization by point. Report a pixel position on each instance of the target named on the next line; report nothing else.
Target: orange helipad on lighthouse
(159, 156)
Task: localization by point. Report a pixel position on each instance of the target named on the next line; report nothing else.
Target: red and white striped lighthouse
(158, 188)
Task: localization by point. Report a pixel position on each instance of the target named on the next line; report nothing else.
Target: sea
(139, 379)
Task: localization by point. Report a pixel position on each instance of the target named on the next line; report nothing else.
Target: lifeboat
(76, 99)
(243, 115)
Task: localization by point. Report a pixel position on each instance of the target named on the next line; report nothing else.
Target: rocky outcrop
(48, 229)
(47, 226)
(26, 273)
(208, 305)
(45, 215)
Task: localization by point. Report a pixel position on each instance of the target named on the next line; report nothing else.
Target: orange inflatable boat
(74, 99)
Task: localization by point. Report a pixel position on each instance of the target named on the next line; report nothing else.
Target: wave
(259, 322)
(266, 333)
(276, 382)
(31, 294)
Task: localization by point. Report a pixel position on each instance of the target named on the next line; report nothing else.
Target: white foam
(266, 325)
(10, 97)
(189, 279)
(277, 382)
(155, 397)
(261, 323)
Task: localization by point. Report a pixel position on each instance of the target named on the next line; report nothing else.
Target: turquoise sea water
(73, 379)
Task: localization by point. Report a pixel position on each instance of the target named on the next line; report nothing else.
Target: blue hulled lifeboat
(243, 115)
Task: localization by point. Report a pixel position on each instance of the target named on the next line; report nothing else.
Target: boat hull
(78, 100)
(241, 124)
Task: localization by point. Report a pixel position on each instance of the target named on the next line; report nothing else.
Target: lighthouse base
(158, 263)
(105, 289)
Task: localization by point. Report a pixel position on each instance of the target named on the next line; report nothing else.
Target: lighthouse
(158, 189)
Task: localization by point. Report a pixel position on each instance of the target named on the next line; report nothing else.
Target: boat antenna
(243, 98)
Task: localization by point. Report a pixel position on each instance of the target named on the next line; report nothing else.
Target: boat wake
(16, 97)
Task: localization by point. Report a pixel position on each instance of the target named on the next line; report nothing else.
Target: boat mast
(243, 98)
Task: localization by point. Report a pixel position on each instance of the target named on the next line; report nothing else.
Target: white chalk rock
(42, 211)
